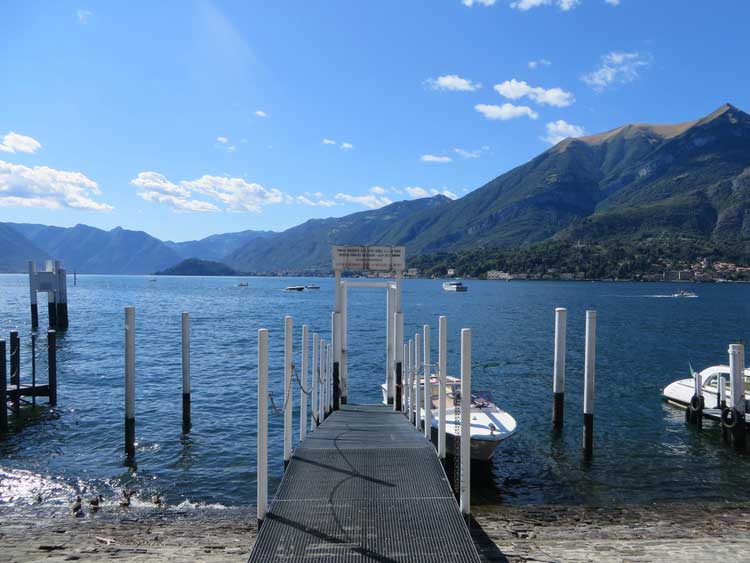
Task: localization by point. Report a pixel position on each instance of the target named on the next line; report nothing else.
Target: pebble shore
(687, 533)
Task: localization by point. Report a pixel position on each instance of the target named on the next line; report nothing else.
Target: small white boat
(679, 393)
(683, 293)
(454, 286)
(294, 288)
(242, 284)
(312, 286)
(490, 425)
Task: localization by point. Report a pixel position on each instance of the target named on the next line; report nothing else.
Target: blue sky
(186, 119)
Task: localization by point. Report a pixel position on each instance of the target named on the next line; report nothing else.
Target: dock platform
(364, 486)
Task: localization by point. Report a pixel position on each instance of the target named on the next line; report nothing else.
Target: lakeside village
(704, 270)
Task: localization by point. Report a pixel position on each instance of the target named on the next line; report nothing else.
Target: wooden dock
(364, 486)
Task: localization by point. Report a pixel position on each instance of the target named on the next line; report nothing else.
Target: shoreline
(664, 532)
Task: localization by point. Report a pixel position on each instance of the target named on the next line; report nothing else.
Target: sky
(185, 119)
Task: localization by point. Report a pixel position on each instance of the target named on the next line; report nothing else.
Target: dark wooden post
(52, 366)
(336, 387)
(33, 369)
(398, 386)
(15, 358)
(3, 390)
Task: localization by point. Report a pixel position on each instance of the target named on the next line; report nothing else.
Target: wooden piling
(129, 382)
(32, 296)
(52, 366)
(262, 445)
(186, 422)
(466, 421)
(588, 385)
(558, 378)
(288, 392)
(62, 297)
(3, 390)
(443, 377)
(321, 375)
(33, 369)
(427, 389)
(15, 358)
(304, 388)
(736, 425)
(315, 382)
(15, 372)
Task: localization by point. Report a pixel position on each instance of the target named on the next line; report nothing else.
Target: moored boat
(680, 393)
(490, 424)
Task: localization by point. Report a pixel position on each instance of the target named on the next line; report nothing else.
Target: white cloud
(616, 67)
(516, 89)
(467, 154)
(347, 146)
(505, 111)
(533, 65)
(307, 200)
(378, 190)
(42, 186)
(452, 82)
(561, 129)
(329, 142)
(416, 192)
(613, 2)
(564, 5)
(470, 3)
(13, 142)
(369, 200)
(434, 158)
(233, 194)
(222, 140)
(446, 192)
(83, 16)
(260, 113)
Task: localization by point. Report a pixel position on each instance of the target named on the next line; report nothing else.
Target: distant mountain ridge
(632, 182)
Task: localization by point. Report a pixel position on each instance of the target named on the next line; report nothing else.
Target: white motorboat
(454, 286)
(294, 288)
(490, 425)
(684, 293)
(312, 286)
(680, 392)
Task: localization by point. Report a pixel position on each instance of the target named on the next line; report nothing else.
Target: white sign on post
(372, 258)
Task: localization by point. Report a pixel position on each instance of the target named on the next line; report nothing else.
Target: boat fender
(729, 418)
(695, 403)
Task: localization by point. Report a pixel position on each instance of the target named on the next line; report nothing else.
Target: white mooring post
(404, 376)
(466, 421)
(344, 350)
(304, 388)
(408, 402)
(398, 346)
(130, 382)
(588, 384)
(558, 378)
(186, 372)
(329, 361)
(417, 369)
(336, 359)
(390, 362)
(321, 375)
(737, 395)
(288, 391)
(443, 376)
(427, 391)
(32, 295)
(262, 446)
(314, 382)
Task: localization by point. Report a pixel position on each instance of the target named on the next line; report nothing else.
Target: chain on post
(278, 412)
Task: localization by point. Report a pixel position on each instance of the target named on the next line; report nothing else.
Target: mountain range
(634, 182)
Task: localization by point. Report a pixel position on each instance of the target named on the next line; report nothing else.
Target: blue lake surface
(643, 450)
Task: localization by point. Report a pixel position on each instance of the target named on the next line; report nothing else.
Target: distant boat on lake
(312, 286)
(454, 286)
(294, 288)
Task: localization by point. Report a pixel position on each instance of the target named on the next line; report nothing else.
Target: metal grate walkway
(364, 486)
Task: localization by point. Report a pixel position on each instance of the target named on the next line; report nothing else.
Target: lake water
(643, 449)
